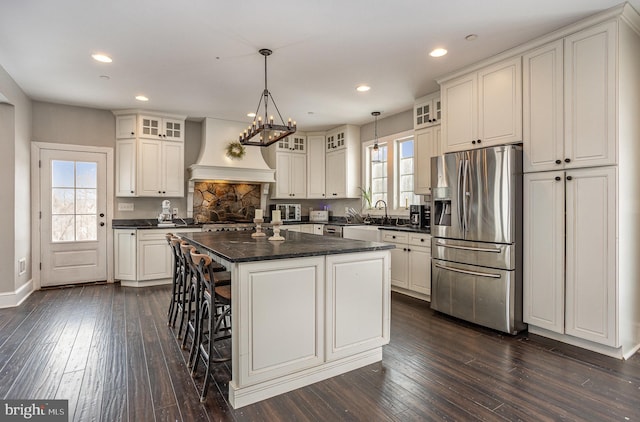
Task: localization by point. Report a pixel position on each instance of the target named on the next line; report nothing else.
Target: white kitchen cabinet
(151, 161)
(579, 297)
(410, 262)
(126, 126)
(291, 227)
(294, 143)
(126, 167)
(342, 163)
(160, 168)
(124, 244)
(543, 110)
(483, 108)
(161, 127)
(570, 101)
(427, 111)
(291, 176)
(427, 144)
(143, 257)
(315, 167)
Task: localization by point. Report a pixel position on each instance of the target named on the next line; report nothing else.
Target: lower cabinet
(410, 262)
(570, 254)
(143, 257)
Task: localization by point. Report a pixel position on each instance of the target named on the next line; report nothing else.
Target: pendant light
(375, 114)
(265, 132)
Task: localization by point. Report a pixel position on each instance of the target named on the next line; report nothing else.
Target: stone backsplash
(225, 201)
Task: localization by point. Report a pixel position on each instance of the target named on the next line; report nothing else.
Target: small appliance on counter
(319, 216)
(165, 219)
(419, 216)
(288, 212)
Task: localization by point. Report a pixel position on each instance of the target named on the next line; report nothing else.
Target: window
(404, 170)
(389, 171)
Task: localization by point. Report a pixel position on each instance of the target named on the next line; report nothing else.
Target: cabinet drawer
(420, 239)
(160, 234)
(394, 236)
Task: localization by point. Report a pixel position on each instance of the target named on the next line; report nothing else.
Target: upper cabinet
(155, 127)
(570, 101)
(149, 155)
(427, 144)
(315, 167)
(293, 143)
(289, 157)
(427, 111)
(342, 163)
(483, 108)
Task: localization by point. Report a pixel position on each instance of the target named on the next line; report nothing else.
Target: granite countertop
(241, 247)
(152, 223)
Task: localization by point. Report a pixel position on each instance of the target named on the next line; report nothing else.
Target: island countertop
(239, 246)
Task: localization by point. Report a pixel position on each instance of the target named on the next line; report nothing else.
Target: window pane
(406, 166)
(86, 175)
(406, 183)
(62, 201)
(406, 149)
(62, 228)
(62, 174)
(86, 227)
(86, 201)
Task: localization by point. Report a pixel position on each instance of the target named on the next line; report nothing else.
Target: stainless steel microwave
(288, 212)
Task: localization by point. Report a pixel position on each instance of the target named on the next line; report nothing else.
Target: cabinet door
(543, 250)
(125, 254)
(460, 112)
(427, 145)
(283, 175)
(500, 103)
(150, 127)
(126, 126)
(591, 255)
(315, 167)
(173, 129)
(590, 96)
(149, 168)
(298, 175)
(419, 269)
(173, 168)
(126, 167)
(400, 266)
(306, 228)
(154, 260)
(543, 119)
(336, 173)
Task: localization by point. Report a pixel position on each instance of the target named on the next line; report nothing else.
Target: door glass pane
(62, 229)
(62, 173)
(86, 175)
(74, 202)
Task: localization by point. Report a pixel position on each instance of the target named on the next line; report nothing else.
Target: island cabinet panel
(282, 307)
(358, 303)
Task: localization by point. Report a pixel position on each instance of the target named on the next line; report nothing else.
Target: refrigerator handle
(459, 270)
(468, 248)
(460, 199)
(465, 184)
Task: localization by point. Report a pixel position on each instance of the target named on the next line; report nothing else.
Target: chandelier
(265, 132)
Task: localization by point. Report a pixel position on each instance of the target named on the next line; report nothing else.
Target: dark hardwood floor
(108, 350)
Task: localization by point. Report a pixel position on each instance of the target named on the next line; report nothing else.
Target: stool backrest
(202, 264)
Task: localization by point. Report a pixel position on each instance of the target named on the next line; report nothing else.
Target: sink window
(389, 170)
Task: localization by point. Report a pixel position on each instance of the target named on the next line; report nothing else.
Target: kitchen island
(304, 309)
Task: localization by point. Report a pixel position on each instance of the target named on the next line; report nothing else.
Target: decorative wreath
(235, 150)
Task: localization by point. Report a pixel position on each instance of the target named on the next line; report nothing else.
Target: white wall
(15, 121)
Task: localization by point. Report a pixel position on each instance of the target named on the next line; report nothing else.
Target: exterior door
(73, 201)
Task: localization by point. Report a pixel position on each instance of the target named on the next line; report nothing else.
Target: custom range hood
(214, 164)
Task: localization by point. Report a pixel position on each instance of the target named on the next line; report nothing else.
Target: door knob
(101, 214)
(101, 223)
(558, 161)
(569, 178)
(558, 178)
(567, 160)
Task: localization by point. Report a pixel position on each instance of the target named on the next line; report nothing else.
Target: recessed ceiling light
(471, 37)
(251, 114)
(438, 52)
(363, 88)
(102, 58)
(141, 98)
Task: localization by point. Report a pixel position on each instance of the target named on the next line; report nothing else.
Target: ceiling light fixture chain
(264, 133)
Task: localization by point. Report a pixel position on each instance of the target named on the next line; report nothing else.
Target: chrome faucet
(385, 220)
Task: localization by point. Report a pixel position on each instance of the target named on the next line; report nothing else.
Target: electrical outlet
(22, 266)
(175, 212)
(125, 206)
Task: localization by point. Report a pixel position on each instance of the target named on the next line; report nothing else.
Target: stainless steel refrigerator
(476, 229)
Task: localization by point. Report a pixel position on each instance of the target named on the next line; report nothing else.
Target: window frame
(392, 172)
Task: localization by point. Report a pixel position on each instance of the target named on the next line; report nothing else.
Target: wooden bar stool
(187, 295)
(214, 317)
(176, 278)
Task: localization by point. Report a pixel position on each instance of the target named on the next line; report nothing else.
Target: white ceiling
(200, 57)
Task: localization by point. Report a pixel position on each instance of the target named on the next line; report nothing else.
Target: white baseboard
(145, 283)
(13, 299)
